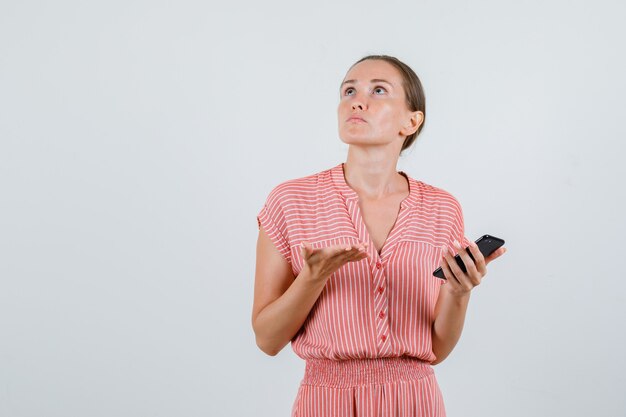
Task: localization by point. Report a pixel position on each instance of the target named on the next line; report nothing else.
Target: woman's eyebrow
(374, 80)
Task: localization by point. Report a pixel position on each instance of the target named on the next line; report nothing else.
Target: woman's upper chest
(380, 216)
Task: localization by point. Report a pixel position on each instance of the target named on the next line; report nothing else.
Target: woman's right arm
(282, 302)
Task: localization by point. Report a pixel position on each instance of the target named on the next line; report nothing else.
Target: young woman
(345, 260)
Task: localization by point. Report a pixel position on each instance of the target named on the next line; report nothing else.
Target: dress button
(383, 338)
(378, 265)
(381, 289)
(381, 314)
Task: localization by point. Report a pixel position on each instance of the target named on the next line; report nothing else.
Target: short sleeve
(458, 226)
(272, 219)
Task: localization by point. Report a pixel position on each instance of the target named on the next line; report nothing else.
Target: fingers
(481, 262)
(447, 272)
(355, 252)
(342, 253)
(471, 274)
(454, 273)
(351, 249)
(304, 250)
(501, 251)
(477, 267)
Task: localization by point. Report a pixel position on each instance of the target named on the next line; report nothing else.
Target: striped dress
(367, 339)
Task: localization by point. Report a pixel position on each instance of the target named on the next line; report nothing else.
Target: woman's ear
(415, 120)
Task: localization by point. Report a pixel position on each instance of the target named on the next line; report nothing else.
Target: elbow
(266, 345)
(439, 357)
(267, 348)
(271, 352)
(439, 353)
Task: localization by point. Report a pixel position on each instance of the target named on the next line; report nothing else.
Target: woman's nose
(357, 104)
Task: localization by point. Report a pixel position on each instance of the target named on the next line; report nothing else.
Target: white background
(139, 140)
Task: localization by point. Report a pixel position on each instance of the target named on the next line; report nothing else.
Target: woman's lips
(356, 119)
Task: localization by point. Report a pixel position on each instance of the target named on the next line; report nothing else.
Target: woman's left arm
(454, 296)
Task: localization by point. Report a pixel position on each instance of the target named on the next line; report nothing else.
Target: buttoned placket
(377, 263)
(379, 273)
(380, 301)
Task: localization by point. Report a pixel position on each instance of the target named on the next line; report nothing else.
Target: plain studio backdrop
(140, 139)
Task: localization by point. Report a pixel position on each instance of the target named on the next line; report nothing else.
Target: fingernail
(456, 243)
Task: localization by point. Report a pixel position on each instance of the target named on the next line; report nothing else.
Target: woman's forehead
(373, 69)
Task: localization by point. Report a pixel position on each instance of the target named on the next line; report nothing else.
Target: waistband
(354, 372)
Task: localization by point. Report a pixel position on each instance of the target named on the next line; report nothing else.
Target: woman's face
(372, 107)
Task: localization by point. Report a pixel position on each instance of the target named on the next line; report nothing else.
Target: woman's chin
(352, 137)
(354, 141)
(349, 139)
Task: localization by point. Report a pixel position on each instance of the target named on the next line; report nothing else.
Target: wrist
(309, 275)
(458, 295)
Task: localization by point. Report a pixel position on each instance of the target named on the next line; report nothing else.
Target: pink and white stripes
(379, 308)
(380, 387)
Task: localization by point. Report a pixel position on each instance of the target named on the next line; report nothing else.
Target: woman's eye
(350, 91)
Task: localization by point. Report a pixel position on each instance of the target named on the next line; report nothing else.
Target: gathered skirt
(376, 387)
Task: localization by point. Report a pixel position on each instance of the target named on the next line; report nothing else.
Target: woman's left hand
(460, 283)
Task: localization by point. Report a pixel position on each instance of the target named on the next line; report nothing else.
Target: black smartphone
(487, 244)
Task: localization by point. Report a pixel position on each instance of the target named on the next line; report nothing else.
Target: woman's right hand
(322, 262)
